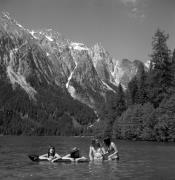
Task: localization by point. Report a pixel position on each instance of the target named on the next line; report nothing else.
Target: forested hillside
(148, 104)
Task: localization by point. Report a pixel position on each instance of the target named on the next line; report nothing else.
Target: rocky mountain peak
(43, 65)
(50, 58)
(9, 23)
(98, 53)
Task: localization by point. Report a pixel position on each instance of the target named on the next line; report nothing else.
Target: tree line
(146, 110)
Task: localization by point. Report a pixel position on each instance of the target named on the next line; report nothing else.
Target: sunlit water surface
(138, 160)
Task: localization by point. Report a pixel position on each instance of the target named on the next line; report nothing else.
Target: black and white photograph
(87, 89)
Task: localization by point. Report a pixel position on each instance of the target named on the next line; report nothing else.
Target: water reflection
(107, 169)
(95, 167)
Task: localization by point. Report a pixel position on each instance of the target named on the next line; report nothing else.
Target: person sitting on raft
(110, 150)
(74, 155)
(51, 155)
(95, 150)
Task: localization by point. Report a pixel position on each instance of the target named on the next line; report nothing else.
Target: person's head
(95, 143)
(51, 151)
(75, 153)
(98, 145)
(107, 141)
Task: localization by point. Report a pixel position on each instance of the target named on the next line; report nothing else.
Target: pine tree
(160, 49)
(132, 91)
(173, 64)
(141, 84)
(162, 75)
(173, 57)
(121, 103)
(165, 117)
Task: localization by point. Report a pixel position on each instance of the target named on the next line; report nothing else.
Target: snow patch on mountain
(78, 46)
(19, 25)
(32, 32)
(108, 87)
(49, 38)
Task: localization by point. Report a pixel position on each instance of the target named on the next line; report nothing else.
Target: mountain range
(52, 85)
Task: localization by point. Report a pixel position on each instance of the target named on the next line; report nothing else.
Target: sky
(123, 27)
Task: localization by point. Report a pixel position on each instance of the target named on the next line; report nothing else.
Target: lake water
(138, 160)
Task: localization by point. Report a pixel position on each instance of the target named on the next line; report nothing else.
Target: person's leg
(67, 157)
(43, 157)
(81, 158)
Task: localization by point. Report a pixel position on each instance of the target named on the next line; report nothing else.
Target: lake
(138, 160)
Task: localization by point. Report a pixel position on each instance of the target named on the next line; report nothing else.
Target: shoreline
(129, 140)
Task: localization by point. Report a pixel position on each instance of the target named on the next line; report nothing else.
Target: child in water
(51, 155)
(74, 155)
(95, 150)
(110, 150)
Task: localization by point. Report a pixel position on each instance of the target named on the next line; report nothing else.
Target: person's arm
(81, 158)
(103, 150)
(104, 154)
(115, 151)
(57, 156)
(90, 153)
(44, 156)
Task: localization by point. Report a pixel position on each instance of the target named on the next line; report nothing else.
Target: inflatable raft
(35, 158)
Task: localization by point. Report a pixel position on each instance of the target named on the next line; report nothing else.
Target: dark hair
(75, 153)
(107, 141)
(98, 145)
(93, 142)
(51, 147)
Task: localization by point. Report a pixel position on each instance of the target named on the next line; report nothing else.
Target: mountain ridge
(47, 66)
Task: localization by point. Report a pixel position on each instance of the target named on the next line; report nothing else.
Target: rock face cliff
(43, 73)
(111, 70)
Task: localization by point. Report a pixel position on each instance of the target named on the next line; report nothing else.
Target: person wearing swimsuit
(110, 150)
(95, 151)
(74, 155)
(51, 155)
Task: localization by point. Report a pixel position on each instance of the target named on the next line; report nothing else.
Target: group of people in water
(105, 150)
